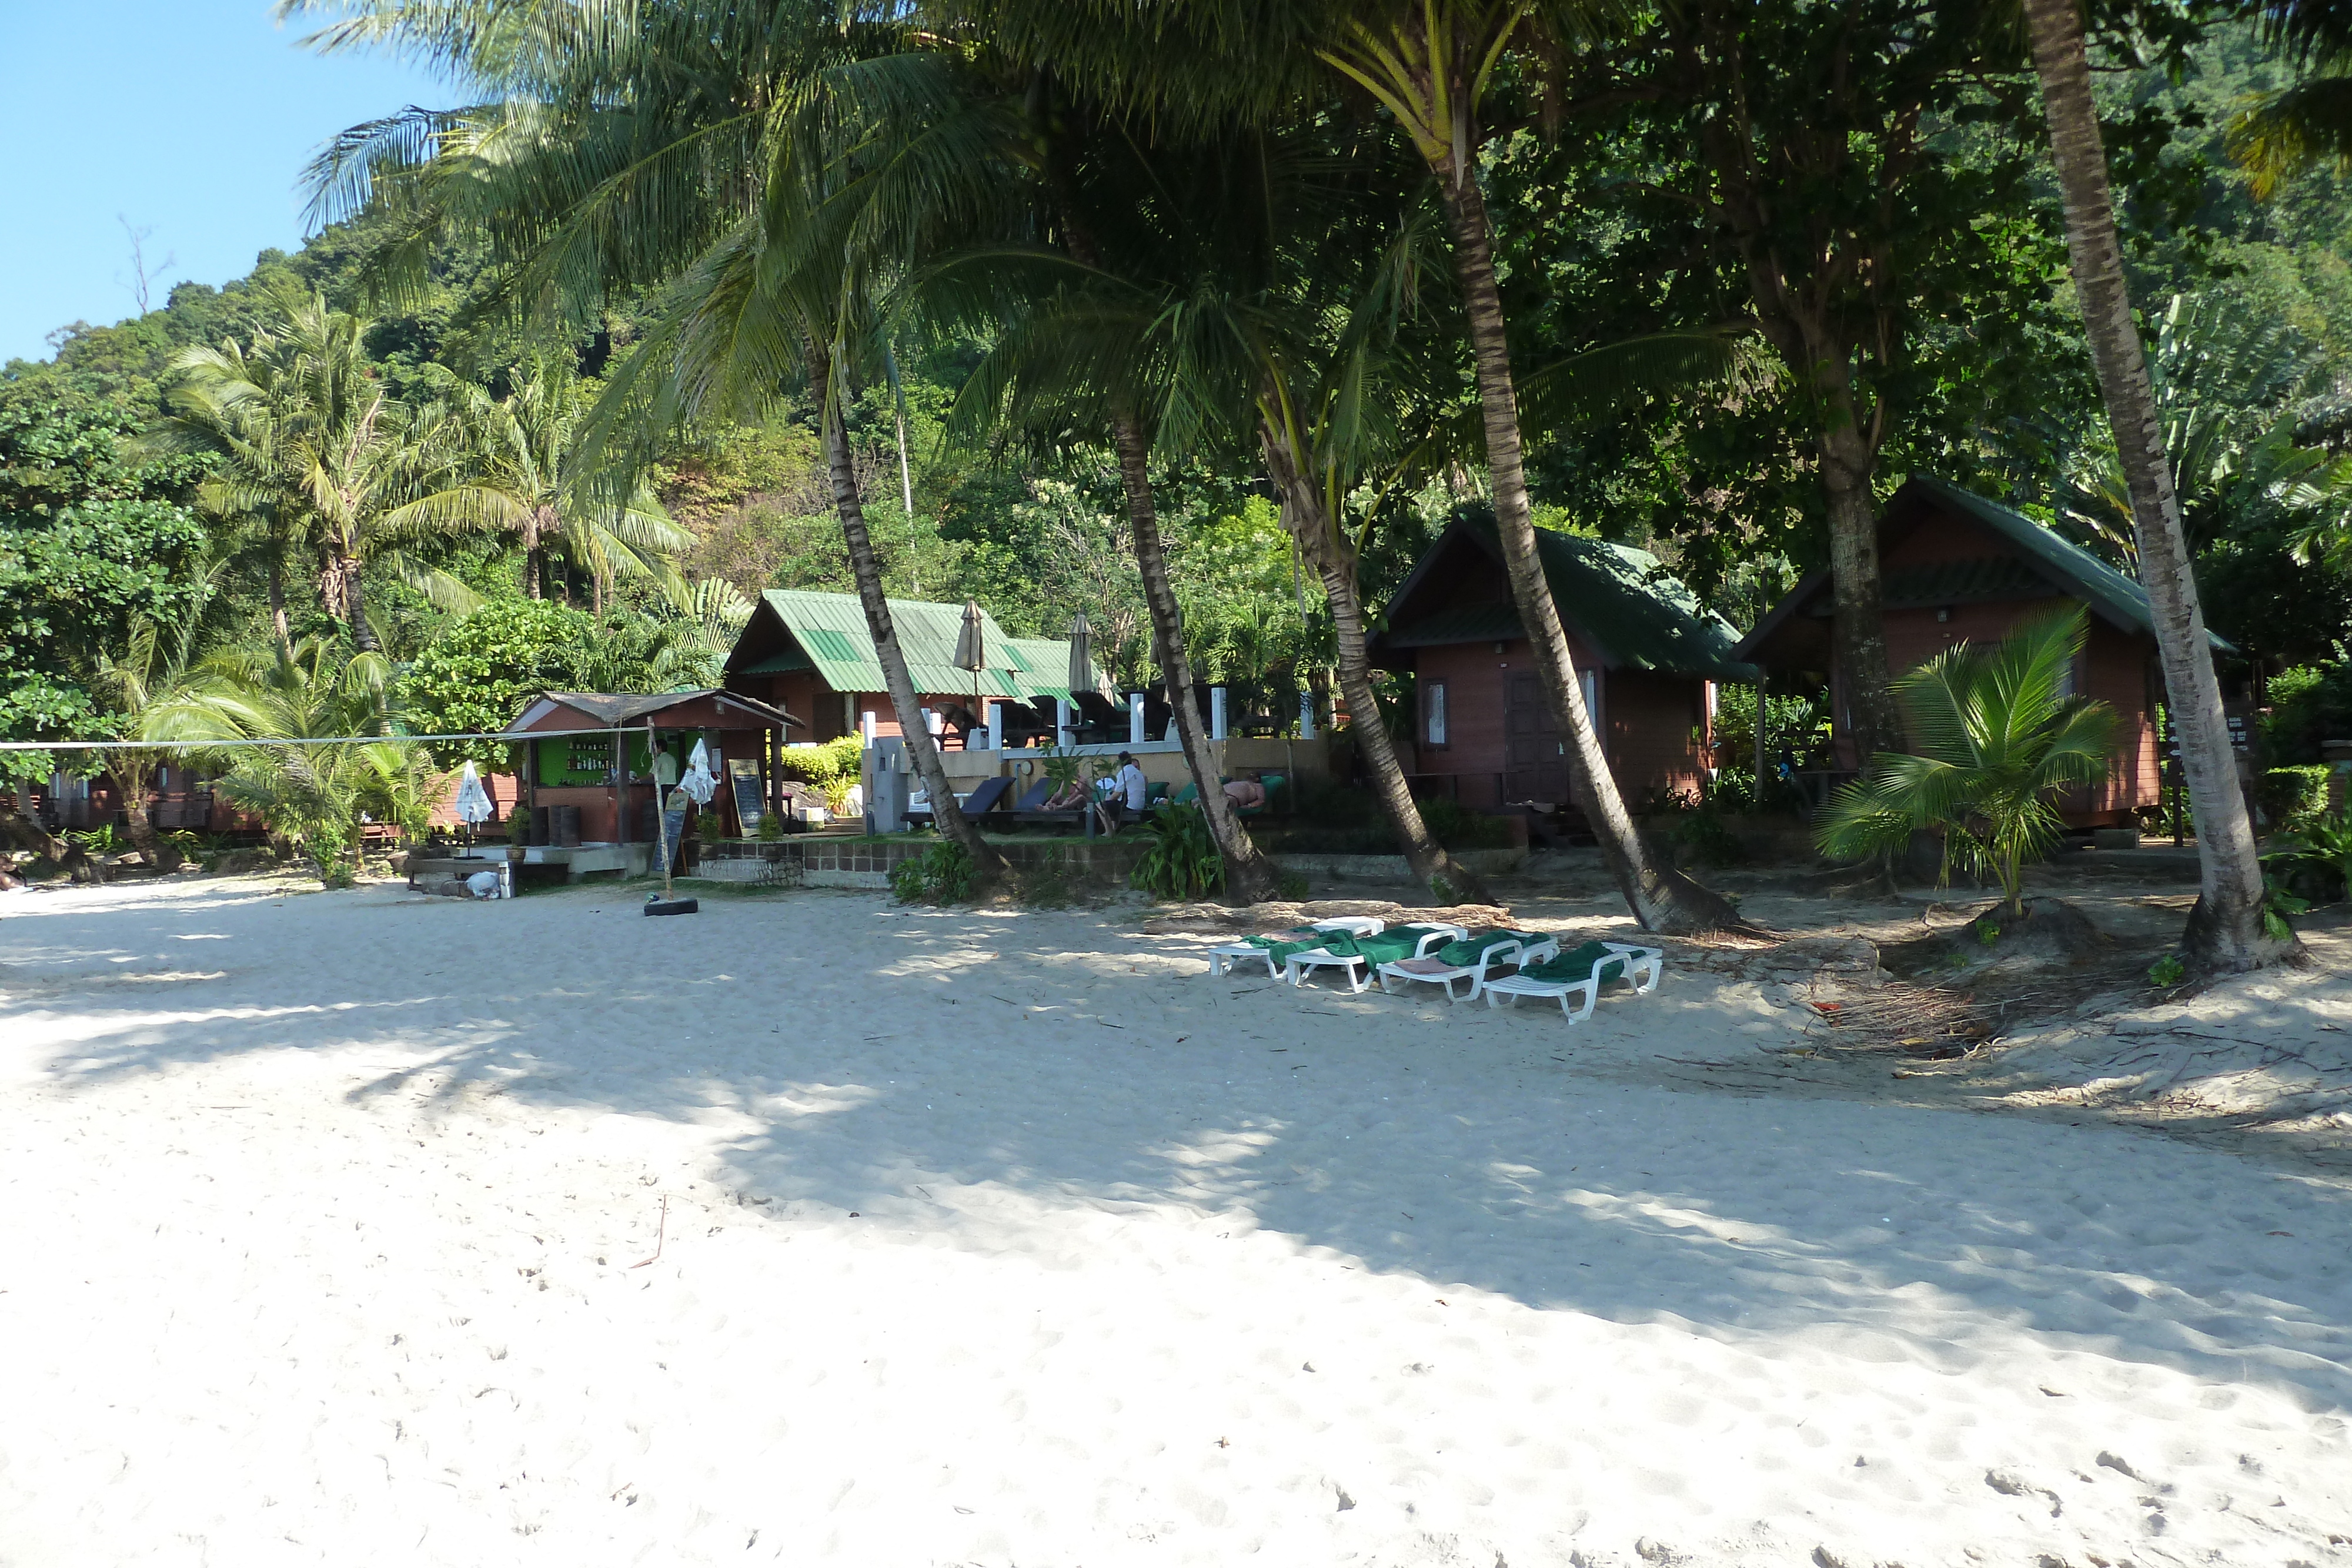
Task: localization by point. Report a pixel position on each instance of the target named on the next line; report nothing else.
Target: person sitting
(1129, 789)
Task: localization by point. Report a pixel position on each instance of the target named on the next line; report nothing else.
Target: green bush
(2290, 796)
(833, 767)
(480, 673)
(1180, 861)
(771, 827)
(940, 874)
(1704, 838)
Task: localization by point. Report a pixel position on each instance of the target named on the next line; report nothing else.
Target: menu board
(748, 807)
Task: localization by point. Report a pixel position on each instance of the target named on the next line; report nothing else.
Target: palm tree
(1998, 739)
(311, 443)
(2310, 121)
(156, 670)
(517, 475)
(311, 788)
(2225, 930)
(1428, 63)
(764, 166)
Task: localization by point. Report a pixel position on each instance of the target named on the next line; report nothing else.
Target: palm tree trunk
(278, 622)
(2225, 932)
(1447, 879)
(534, 562)
(1872, 718)
(133, 775)
(988, 864)
(1661, 897)
(1249, 875)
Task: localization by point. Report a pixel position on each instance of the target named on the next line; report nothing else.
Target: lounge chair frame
(1354, 965)
(1225, 954)
(1503, 954)
(1643, 967)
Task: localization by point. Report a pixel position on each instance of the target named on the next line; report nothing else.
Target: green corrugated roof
(1961, 582)
(1621, 600)
(2107, 589)
(831, 628)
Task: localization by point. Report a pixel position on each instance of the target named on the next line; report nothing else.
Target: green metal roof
(1619, 599)
(1962, 582)
(2107, 589)
(831, 631)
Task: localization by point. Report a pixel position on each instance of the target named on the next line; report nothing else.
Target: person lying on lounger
(1244, 794)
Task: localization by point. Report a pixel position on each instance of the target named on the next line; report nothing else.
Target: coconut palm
(321, 707)
(517, 475)
(156, 669)
(1428, 63)
(2225, 930)
(2309, 120)
(765, 167)
(1999, 740)
(311, 444)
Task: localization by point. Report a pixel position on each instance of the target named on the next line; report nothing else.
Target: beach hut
(1644, 647)
(810, 653)
(1955, 567)
(598, 788)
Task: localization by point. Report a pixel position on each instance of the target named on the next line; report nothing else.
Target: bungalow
(811, 654)
(1955, 567)
(1644, 647)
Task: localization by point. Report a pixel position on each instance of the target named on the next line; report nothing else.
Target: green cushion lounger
(1358, 958)
(1582, 972)
(1470, 959)
(1276, 947)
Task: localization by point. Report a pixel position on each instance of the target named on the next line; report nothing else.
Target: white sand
(317, 1215)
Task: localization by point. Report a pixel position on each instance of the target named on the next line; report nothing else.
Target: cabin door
(1535, 762)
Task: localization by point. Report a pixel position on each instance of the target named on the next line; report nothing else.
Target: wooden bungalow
(598, 788)
(1955, 567)
(810, 652)
(1643, 646)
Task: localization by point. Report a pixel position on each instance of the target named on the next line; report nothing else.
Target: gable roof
(828, 635)
(2046, 561)
(618, 709)
(1620, 602)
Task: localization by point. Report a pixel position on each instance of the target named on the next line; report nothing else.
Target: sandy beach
(356, 1228)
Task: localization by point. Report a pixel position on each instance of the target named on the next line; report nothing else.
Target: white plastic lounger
(1503, 954)
(1641, 965)
(1225, 954)
(1355, 966)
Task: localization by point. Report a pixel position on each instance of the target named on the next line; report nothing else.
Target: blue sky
(192, 117)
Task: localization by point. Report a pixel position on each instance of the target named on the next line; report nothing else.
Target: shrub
(2290, 796)
(833, 767)
(940, 874)
(771, 827)
(1181, 860)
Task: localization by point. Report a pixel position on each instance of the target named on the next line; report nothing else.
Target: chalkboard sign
(748, 807)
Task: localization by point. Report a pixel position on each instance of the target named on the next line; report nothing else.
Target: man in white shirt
(1129, 786)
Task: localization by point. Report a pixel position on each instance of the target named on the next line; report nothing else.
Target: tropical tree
(517, 474)
(306, 764)
(2225, 929)
(156, 668)
(1997, 741)
(764, 169)
(308, 439)
(2310, 121)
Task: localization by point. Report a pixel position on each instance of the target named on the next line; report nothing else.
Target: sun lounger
(1357, 957)
(1276, 947)
(1580, 973)
(1472, 959)
(982, 800)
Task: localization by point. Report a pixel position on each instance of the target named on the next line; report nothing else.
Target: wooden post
(620, 789)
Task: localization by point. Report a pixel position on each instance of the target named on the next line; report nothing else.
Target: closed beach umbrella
(473, 801)
(972, 642)
(697, 781)
(1082, 655)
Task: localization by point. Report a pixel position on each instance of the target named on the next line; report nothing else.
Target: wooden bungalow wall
(2114, 668)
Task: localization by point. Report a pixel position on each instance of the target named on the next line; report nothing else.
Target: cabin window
(1433, 713)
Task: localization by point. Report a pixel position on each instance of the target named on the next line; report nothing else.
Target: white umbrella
(473, 801)
(697, 781)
